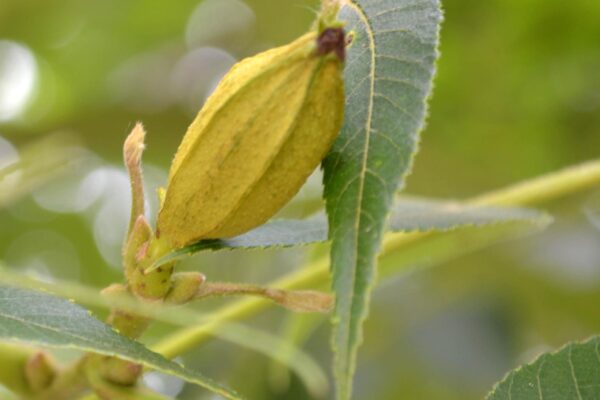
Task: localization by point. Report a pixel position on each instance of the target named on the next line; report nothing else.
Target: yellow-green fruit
(259, 136)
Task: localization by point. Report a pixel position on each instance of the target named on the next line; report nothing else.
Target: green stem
(185, 339)
(540, 189)
(294, 300)
(545, 187)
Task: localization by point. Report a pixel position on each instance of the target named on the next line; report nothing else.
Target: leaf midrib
(47, 327)
(368, 130)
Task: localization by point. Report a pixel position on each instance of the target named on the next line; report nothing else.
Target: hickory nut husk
(263, 131)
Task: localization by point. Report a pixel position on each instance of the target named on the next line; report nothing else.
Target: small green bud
(40, 371)
(140, 235)
(113, 379)
(141, 249)
(128, 324)
(119, 371)
(153, 285)
(184, 287)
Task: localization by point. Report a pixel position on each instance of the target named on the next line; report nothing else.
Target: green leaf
(407, 215)
(425, 215)
(388, 75)
(436, 248)
(46, 320)
(262, 342)
(572, 372)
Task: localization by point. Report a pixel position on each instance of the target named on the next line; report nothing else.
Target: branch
(298, 300)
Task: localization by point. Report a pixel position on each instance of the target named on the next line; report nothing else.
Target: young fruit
(266, 127)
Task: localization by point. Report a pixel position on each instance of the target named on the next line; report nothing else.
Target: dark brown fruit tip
(332, 40)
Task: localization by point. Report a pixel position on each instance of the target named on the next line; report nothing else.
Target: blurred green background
(517, 95)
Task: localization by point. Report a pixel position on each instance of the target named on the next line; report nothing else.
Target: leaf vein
(356, 86)
(537, 377)
(396, 106)
(418, 62)
(400, 81)
(572, 368)
(409, 32)
(415, 6)
(389, 139)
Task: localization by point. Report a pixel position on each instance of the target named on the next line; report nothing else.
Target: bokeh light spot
(592, 210)
(197, 74)
(73, 193)
(167, 385)
(142, 83)
(8, 153)
(18, 75)
(229, 24)
(110, 223)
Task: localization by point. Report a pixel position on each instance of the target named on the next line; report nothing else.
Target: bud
(127, 323)
(263, 131)
(140, 250)
(132, 153)
(118, 371)
(184, 286)
(40, 371)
